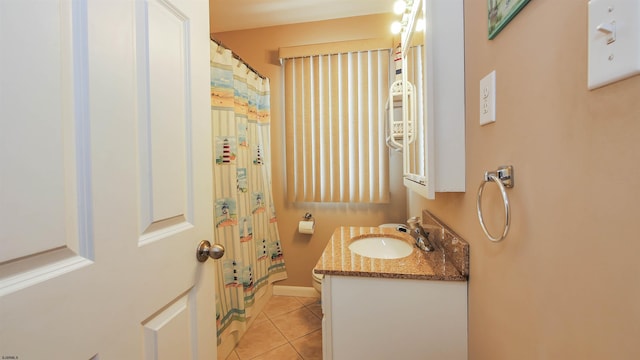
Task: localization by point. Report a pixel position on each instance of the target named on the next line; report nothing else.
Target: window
(334, 118)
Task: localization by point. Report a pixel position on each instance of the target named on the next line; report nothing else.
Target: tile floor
(288, 328)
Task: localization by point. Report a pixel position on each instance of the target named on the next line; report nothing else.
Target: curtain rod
(236, 56)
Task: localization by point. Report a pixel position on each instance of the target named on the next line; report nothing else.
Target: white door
(105, 180)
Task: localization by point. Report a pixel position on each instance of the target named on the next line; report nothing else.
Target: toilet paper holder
(307, 224)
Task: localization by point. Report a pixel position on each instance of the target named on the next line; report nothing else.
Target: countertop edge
(394, 276)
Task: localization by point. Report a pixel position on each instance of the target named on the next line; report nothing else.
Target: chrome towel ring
(503, 177)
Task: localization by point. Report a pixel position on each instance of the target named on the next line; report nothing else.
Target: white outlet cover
(611, 61)
(488, 98)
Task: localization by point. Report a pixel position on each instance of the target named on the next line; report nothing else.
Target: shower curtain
(244, 216)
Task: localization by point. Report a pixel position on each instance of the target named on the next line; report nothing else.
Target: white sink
(381, 247)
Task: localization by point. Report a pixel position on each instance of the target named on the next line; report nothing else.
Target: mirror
(414, 65)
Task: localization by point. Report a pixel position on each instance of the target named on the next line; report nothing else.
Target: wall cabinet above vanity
(433, 61)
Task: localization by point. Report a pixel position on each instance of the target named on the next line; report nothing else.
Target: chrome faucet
(419, 234)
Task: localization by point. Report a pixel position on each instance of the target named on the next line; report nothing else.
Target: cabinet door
(378, 318)
(433, 63)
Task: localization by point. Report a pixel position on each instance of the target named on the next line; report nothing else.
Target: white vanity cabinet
(435, 161)
(381, 318)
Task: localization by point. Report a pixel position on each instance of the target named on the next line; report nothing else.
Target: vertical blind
(334, 118)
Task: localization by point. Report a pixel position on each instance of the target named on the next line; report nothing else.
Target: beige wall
(564, 284)
(259, 48)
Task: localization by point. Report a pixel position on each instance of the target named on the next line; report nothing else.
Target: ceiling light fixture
(396, 27)
(420, 24)
(401, 7)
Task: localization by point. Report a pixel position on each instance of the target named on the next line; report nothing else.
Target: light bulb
(396, 27)
(399, 6)
(420, 24)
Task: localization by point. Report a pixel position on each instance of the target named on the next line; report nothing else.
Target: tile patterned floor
(288, 328)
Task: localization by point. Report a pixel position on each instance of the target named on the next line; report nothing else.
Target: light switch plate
(488, 98)
(614, 41)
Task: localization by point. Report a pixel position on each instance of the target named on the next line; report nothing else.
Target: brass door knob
(205, 251)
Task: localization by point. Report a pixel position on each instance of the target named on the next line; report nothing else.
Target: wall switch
(488, 99)
(614, 41)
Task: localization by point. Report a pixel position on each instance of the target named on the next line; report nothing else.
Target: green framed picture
(500, 12)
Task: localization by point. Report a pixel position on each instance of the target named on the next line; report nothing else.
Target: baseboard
(300, 291)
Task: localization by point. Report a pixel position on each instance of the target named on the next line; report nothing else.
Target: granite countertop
(337, 259)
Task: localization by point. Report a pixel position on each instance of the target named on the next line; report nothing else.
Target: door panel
(165, 120)
(105, 186)
(42, 136)
(160, 332)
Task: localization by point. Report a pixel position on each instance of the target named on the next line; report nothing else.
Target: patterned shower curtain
(244, 216)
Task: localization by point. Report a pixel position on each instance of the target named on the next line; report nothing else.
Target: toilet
(316, 279)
